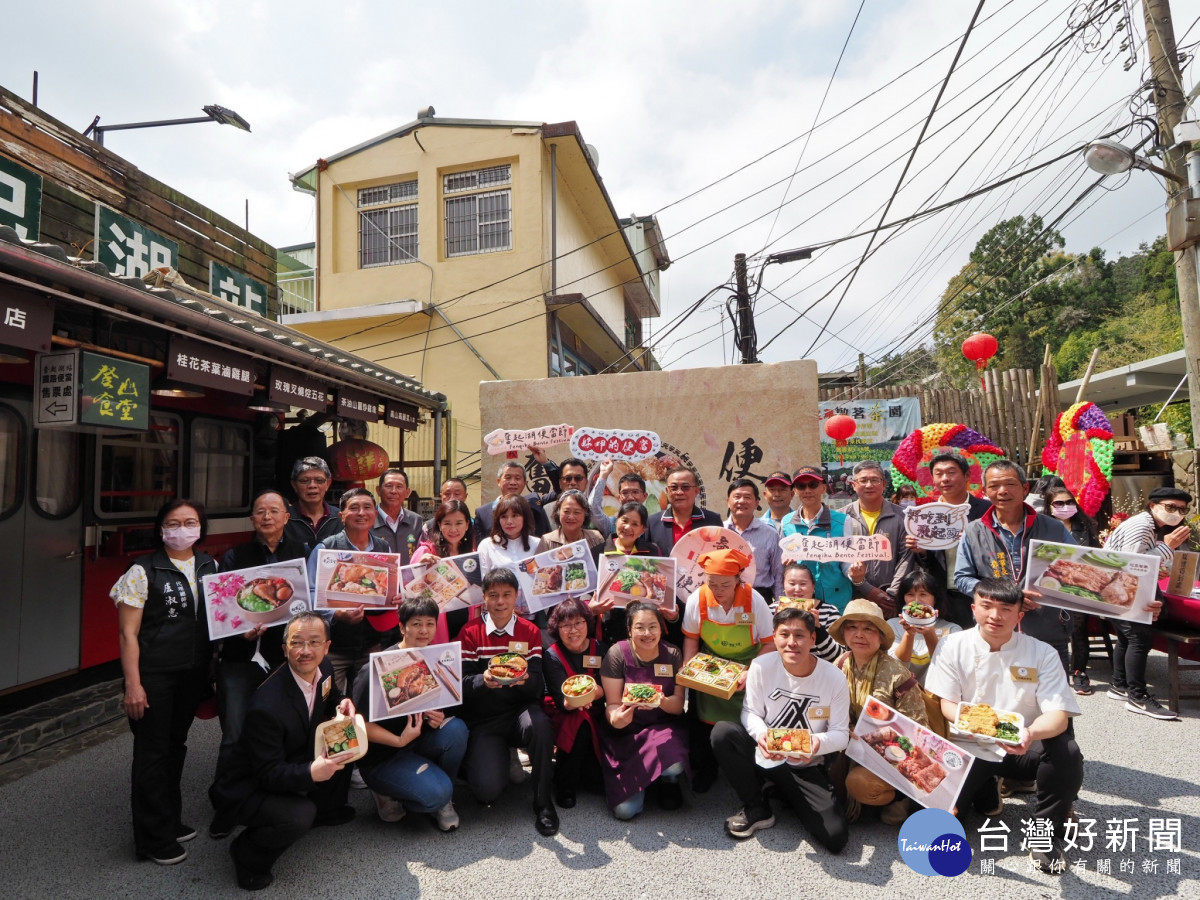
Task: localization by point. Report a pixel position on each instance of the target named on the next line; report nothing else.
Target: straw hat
(863, 611)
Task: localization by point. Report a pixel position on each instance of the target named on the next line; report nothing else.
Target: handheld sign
(601, 443)
(861, 548)
(506, 441)
(1086, 580)
(687, 552)
(241, 600)
(936, 525)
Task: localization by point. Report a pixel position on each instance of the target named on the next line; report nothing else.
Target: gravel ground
(64, 833)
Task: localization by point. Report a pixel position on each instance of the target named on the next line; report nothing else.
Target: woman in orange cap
(724, 617)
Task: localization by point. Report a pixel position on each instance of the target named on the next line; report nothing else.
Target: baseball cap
(808, 473)
(779, 478)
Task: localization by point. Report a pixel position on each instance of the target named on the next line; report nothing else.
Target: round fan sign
(687, 552)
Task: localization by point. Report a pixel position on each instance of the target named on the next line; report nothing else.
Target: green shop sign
(20, 199)
(113, 393)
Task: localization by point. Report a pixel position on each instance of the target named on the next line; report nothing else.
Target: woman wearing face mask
(1060, 503)
(166, 660)
(1160, 530)
(906, 496)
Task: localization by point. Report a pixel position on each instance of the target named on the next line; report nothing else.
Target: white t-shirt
(763, 627)
(918, 664)
(1024, 676)
(775, 698)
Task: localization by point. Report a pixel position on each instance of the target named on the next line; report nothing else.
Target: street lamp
(212, 113)
(1110, 158)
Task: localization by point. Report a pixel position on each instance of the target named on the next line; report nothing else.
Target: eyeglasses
(680, 488)
(172, 526)
(305, 645)
(1061, 504)
(573, 624)
(311, 482)
(808, 485)
(1171, 507)
(573, 479)
(866, 482)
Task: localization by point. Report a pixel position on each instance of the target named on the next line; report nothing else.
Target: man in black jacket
(271, 783)
(667, 527)
(511, 482)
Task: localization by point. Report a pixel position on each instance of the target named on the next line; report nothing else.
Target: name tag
(591, 662)
(521, 647)
(818, 712)
(744, 618)
(664, 670)
(326, 686)
(1024, 674)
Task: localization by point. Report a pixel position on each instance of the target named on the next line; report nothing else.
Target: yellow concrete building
(466, 250)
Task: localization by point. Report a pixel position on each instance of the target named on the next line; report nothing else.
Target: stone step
(28, 730)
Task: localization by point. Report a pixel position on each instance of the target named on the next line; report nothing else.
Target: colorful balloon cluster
(910, 462)
(1080, 452)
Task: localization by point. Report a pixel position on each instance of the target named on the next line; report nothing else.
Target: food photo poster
(243, 599)
(1091, 580)
(909, 757)
(550, 577)
(452, 583)
(406, 681)
(350, 579)
(626, 579)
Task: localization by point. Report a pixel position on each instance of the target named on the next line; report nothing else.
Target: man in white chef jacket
(995, 664)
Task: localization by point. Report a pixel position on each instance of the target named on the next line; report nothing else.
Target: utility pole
(1170, 102)
(745, 315)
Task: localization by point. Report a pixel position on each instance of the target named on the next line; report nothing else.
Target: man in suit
(667, 527)
(511, 481)
(271, 783)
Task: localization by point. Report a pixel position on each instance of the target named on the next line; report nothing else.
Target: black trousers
(486, 762)
(159, 750)
(1056, 764)
(572, 770)
(805, 789)
(279, 820)
(236, 682)
(1133, 645)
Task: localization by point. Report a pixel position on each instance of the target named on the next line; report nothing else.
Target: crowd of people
(818, 640)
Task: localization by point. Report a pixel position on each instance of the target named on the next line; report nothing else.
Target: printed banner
(410, 680)
(452, 583)
(936, 525)
(608, 443)
(241, 600)
(860, 548)
(347, 579)
(881, 426)
(909, 756)
(687, 552)
(549, 578)
(1087, 580)
(626, 579)
(504, 441)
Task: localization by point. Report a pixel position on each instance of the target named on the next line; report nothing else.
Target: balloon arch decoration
(910, 462)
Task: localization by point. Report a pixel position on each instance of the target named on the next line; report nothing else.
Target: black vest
(174, 633)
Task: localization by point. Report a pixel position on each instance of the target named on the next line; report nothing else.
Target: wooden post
(1087, 376)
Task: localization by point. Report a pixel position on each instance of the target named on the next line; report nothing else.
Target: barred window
(479, 223)
(477, 179)
(388, 236)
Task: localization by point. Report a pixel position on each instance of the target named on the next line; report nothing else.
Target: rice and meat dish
(578, 685)
(508, 666)
(642, 694)
(265, 594)
(789, 740)
(1091, 582)
(548, 581)
(978, 719)
(340, 736)
(355, 578)
(406, 683)
(915, 763)
(808, 604)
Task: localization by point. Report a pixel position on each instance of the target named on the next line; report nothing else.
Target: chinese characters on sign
(936, 525)
(599, 443)
(126, 248)
(113, 393)
(56, 401)
(881, 426)
(860, 548)
(27, 319)
(20, 200)
(234, 287)
(508, 442)
(209, 366)
(401, 415)
(294, 389)
(357, 405)
(1122, 838)
(740, 459)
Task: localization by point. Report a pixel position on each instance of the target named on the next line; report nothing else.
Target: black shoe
(248, 879)
(670, 795)
(988, 801)
(1117, 693)
(186, 833)
(1052, 863)
(546, 820)
(339, 816)
(221, 827)
(564, 797)
(703, 780)
(166, 856)
(1146, 705)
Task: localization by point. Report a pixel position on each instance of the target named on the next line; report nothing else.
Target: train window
(12, 439)
(56, 479)
(138, 471)
(221, 465)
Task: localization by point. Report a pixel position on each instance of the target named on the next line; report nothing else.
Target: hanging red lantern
(357, 460)
(841, 429)
(979, 348)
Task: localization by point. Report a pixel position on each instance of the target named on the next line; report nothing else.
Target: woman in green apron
(725, 617)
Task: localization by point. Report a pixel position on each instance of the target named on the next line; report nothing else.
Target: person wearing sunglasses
(813, 517)
(1161, 530)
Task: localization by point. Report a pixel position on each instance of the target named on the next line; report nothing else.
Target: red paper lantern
(357, 460)
(841, 429)
(979, 348)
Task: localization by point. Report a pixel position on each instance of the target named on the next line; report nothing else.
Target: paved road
(64, 833)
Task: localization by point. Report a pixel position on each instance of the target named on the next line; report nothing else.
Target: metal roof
(1136, 384)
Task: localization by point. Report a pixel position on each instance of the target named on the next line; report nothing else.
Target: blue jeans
(420, 775)
(634, 804)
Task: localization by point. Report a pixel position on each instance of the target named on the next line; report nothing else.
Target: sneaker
(1010, 786)
(167, 856)
(748, 821)
(356, 780)
(1081, 684)
(1052, 863)
(1117, 693)
(895, 813)
(516, 771)
(446, 818)
(1147, 706)
(389, 809)
(186, 833)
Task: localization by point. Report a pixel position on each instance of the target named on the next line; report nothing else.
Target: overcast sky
(682, 99)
